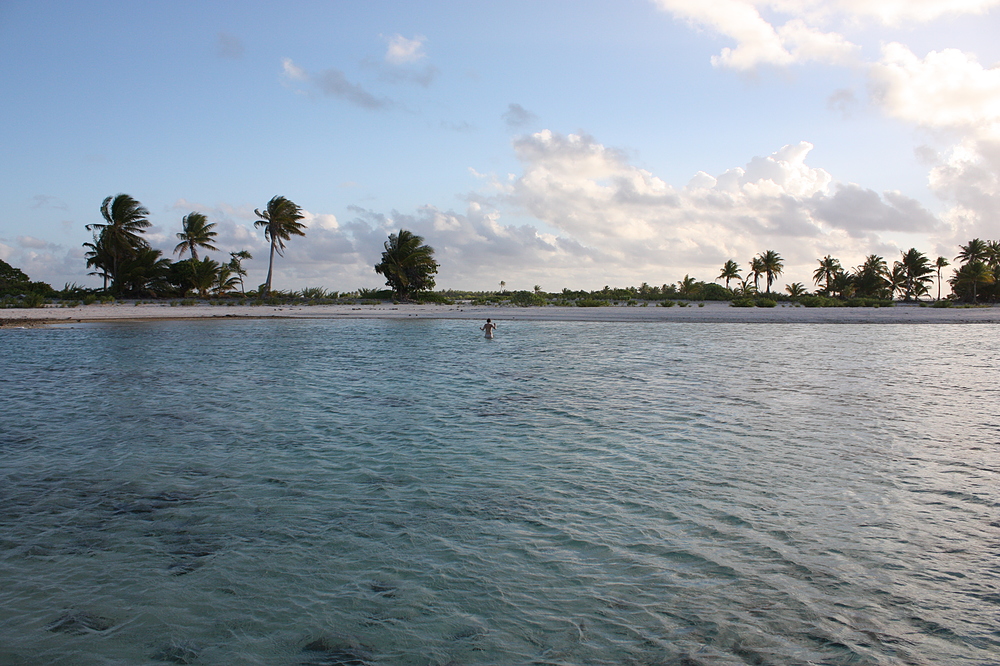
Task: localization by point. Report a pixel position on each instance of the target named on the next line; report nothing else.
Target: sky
(538, 142)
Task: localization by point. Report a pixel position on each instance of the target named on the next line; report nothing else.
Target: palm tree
(871, 279)
(795, 289)
(972, 274)
(772, 264)
(280, 221)
(97, 257)
(143, 273)
(236, 266)
(756, 269)
(917, 269)
(203, 275)
(975, 250)
(124, 219)
(686, 286)
(196, 233)
(730, 271)
(225, 280)
(407, 264)
(828, 270)
(842, 285)
(939, 264)
(746, 289)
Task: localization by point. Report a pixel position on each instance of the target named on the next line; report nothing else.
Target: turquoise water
(405, 492)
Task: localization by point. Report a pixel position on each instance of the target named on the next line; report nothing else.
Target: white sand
(712, 312)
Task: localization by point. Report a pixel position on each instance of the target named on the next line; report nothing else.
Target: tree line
(130, 267)
(909, 278)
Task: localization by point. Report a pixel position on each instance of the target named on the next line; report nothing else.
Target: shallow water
(405, 492)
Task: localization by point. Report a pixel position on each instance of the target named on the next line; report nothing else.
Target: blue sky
(564, 144)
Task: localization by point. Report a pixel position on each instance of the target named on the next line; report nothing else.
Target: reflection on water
(404, 492)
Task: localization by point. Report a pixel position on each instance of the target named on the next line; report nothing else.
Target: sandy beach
(711, 312)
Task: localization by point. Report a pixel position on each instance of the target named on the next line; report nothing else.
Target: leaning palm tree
(940, 263)
(772, 264)
(119, 236)
(197, 233)
(730, 271)
(407, 264)
(280, 221)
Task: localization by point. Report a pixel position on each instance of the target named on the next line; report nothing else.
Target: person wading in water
(489, 327)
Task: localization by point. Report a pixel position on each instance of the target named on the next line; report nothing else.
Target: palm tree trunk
(270, 268)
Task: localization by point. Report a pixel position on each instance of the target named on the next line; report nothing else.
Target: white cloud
(895, 12)
(947, 89)
(321, 221)
(293, 71)
(802, 37)
(758, 42)
(402, 50)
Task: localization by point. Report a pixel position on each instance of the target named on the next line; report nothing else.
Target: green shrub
(765, 303)
(941, 304)
(590, 303)
(742, 303)
(432, 297)
(668, 303)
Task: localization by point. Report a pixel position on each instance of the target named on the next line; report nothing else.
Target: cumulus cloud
(803, 36)
(600, 218)
(946, 89)
(951, 94)
(334, 83)
(758, 42)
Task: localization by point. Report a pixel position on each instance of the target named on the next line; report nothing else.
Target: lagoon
(403, 491)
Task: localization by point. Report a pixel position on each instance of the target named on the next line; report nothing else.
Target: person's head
(487, 320)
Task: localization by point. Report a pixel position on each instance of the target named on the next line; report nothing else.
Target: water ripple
(376, 492)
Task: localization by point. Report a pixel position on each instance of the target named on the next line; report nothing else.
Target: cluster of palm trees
(979, 273)
(767, 264)
(908, 278)
(130, 266)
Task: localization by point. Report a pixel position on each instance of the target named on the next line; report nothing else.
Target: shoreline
(711, 312)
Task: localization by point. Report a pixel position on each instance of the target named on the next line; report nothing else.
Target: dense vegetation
(130, 268)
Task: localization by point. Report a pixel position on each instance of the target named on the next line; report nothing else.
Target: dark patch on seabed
(326, 651)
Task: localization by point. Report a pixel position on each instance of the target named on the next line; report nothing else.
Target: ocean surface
(406, 492)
